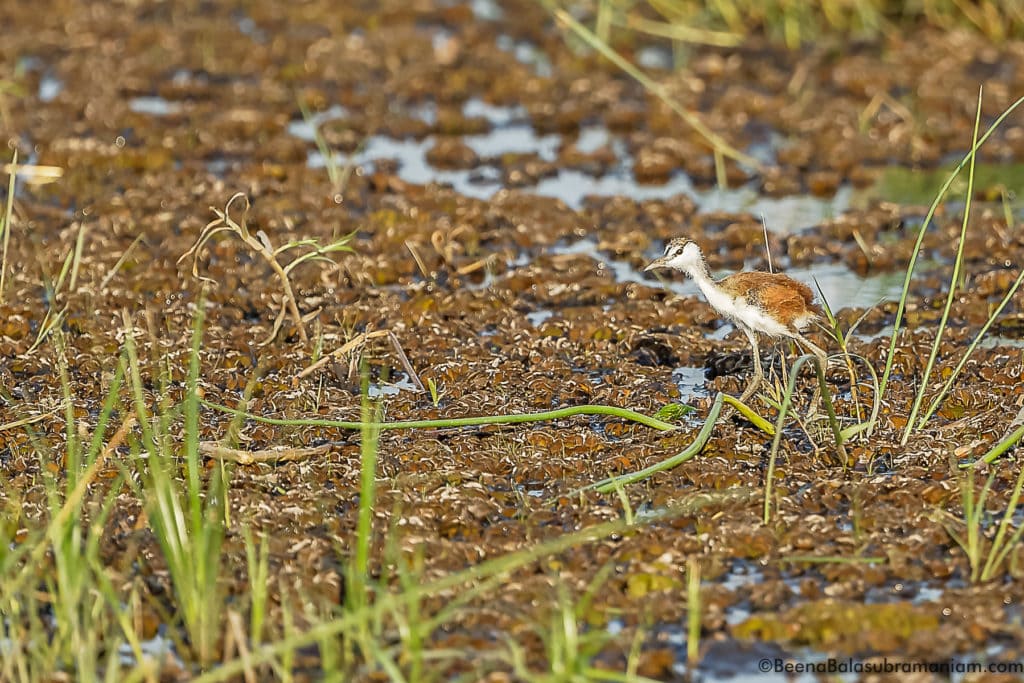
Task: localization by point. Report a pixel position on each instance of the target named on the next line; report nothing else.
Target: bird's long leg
(814, 348)
(758, 377)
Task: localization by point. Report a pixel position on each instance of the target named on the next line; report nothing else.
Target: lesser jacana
(773, 304)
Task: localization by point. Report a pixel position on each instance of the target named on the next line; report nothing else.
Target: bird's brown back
(786, 298)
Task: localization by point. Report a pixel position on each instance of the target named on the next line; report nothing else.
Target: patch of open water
(989, 341)
(511, 132)
(919, 186)
(49, 88)
(154, 106)
(377, 390)
(539, 316)
(690, 381)
(486, 10)
(527, 53)
(158, 650)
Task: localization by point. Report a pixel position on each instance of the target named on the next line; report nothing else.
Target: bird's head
(680, 254)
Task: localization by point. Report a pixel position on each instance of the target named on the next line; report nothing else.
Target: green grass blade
(193, 463)
(703, 436)
(953, 281)
(748, 412)
(5, 224)
(970, 350)
(1001, 545)
(999, 449)
(787, 402)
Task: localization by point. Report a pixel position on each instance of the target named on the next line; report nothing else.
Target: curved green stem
(826, 397)
(1006, 444)
(748, 412)
(612, 483)
(440, 423)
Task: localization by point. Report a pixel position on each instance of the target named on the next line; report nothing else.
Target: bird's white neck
(702, 278)
(719, 299)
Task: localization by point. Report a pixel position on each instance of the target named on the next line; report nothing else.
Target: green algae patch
(641, 585)
(671, 412)
(841, 625)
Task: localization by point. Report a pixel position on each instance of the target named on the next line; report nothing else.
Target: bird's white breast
(743, 313)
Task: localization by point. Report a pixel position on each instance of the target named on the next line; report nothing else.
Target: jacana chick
(773, 304)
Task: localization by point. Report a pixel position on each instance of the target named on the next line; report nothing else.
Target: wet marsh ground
(502, 189)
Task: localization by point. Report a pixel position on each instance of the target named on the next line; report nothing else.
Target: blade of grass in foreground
(389, 601)
(1005, 444)
(787, 401)
(970, 350)
(687, 453)
(369, 442)
(189, 529)
(80, 618)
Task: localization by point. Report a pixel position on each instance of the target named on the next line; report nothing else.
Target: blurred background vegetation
(795, 22)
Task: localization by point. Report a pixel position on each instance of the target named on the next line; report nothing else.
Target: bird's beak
(655, 264)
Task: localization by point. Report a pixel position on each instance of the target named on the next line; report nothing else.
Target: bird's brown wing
(786, 298)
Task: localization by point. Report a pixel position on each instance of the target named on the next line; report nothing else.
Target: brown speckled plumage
(789, 301)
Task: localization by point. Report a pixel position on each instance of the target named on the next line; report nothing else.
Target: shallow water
(996, 182)
(690, 381)
(511, 133)
(378, 390)
(154, 106)
(486, 10)
(157, 649)
(539, 316)
(527, 53)
(49, 88)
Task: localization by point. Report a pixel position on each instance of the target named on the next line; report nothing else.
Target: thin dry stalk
(90, 473)
(236, 631)
(5, 221)
(261, 244)
(349, 349)
(213, 449)
(35, 174)
(120, 262)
